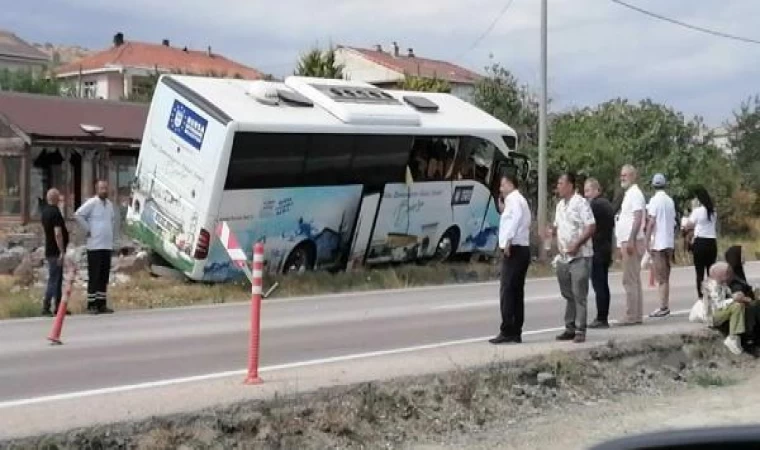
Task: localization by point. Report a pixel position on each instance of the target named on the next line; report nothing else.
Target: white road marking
(492, 302)
(293, 365)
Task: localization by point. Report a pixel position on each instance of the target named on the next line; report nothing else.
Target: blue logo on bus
(187, 124)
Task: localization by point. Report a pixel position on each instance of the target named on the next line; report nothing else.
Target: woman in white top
(702, 221)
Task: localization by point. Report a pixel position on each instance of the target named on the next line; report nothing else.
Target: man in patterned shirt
(574, 225)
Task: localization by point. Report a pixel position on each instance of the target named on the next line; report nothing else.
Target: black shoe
(46, 313)
(566, 336)
(501, 339)
(597, 323)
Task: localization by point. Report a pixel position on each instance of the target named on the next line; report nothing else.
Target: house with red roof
(388, 68)
(128, 68)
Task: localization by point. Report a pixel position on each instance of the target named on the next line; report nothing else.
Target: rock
(28, 241)
(12, 258)
(24, 273)
(547, 379)
(121, 278)
(132, 264)
(38, 257)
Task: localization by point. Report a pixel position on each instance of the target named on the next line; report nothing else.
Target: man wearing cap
(660, 236)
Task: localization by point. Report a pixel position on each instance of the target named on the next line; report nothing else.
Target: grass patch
(144, 291)
(707, 379)
(15, 302)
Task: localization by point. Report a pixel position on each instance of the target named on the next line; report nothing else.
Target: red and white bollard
(256, 287)
(55, 334)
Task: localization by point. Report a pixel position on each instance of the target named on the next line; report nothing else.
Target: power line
(489, 29)
(684, 24)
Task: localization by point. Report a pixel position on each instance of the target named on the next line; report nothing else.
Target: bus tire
(447, 245)
(300, 258)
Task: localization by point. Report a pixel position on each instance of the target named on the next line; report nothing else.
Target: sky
(598, 50)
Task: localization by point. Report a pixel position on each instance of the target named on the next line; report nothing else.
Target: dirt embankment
(426, 410)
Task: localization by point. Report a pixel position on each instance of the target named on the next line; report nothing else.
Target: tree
(319, 64)
(29, 82)
(421, 84)
(744, 137)
(598, 141)
(500, 94)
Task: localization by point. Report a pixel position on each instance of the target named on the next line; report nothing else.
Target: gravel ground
(535, 403)
(578, 428)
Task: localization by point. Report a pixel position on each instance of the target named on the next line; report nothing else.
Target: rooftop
(418, 66)
(163, 57)
(13, 46)
(119, 120)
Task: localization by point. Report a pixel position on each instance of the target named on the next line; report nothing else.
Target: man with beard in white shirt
(629, 231)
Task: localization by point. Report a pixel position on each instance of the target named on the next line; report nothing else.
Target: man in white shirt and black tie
(514, 242)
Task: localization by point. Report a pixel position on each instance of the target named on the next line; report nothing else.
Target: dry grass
(147, 292)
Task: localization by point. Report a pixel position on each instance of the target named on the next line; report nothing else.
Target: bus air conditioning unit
(355, 102)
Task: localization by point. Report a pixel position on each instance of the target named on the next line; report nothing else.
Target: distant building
(719, 137)
(126, 68)
(387, 69)
(17, 54)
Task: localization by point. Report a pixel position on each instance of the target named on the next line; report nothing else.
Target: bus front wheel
(300, 259)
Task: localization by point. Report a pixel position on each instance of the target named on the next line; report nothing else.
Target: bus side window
(328, 160)
(380, 159)
(432, 158)
(265, 160)
(476, 160)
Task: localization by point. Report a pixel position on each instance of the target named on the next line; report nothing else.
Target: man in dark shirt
(604, 216)
(56, 242)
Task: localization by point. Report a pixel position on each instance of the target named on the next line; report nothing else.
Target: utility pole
(542, 182)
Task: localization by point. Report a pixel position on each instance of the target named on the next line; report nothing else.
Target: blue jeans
(55, 283)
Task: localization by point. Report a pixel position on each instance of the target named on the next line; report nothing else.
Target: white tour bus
(329, 174)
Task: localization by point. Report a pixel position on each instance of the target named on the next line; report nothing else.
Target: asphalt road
(130, 348)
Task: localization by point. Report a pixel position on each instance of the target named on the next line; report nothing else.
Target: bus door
(413, 215)
(471, 196)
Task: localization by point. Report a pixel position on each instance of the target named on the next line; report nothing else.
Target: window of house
(124, 167)
(10, 185)
(143, 86)
(89, 89)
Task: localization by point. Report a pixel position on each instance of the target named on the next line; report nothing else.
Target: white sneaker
(733, 345)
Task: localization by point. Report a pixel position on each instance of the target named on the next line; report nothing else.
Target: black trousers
(98, 271)
(705, 251)
(514, 269)
(600, 270)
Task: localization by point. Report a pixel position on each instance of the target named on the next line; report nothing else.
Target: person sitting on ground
(739, 284)
(725, 305)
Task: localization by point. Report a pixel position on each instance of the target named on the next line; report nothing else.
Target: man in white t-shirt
(661, 237)
(629, 231)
